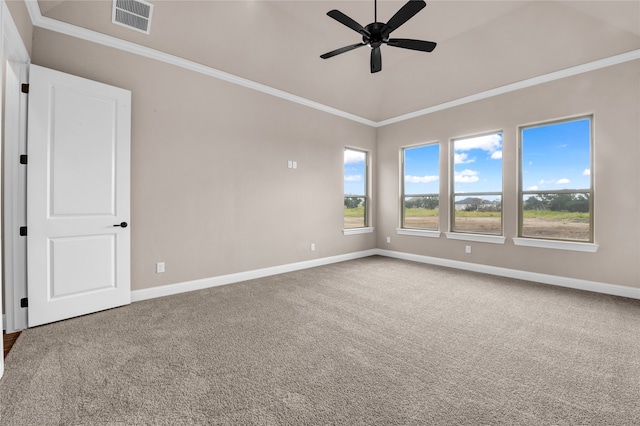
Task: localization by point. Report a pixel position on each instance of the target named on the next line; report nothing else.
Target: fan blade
(405, 13)
(407, 43)
(341, 50)
(345, 20)
(376, 60)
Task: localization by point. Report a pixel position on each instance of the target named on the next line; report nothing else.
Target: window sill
(556, 245)
(493, 239)
(418, 232)
(355, 231)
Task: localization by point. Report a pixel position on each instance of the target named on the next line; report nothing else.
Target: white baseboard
(615, 290)
(167, 290)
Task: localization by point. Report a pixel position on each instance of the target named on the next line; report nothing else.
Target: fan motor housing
(376, 39)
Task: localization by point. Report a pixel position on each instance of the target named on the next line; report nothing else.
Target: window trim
(469, 235)
(418, 232)
(355, 231)
(367, 196)
(556, 244)
(477, 237)
(402, 227)
(559, 243)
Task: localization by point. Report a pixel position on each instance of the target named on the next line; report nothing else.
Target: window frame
(403, 195)
(367, 198)
(480, 236)
(591, 191)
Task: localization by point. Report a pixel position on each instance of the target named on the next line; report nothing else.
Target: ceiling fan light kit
(377, 33)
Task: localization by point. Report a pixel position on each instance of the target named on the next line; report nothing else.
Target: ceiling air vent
(133, 14)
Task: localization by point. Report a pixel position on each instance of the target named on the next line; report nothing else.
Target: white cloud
(489, 143)
(587, 172)
(466, 176)
(462, 158)
(466, 179)
(532, 188)
(545, 182)
(561, 181)
(420, 179)
(352, 178)
(497, 155)
(353, 157)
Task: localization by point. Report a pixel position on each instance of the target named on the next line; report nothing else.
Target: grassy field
(528, 214)
(354, 218)
(562, 216)
(420, 213)
(357, 212)
(536, 223)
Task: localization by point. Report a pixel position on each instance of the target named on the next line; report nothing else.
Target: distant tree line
(353, 202)
(554, 202)
(486, 206)
(475, 204)
(429, 203)
(558, 202)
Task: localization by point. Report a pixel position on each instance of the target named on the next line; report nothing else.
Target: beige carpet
(375, 341)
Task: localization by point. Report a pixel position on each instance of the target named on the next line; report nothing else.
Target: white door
(78, 173)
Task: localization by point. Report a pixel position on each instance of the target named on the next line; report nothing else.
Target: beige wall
(613, 96)
(211, 193)
(21, 18)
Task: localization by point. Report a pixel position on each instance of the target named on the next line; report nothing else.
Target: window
(556, 199)
(477, 184)
(420, 187)
(355, 188)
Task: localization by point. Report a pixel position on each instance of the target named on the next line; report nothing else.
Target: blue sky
(421, 169)
(556, 156)
(477, 168)
(478, 163)
(354, 172)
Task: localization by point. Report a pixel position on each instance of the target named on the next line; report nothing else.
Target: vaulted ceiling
(482, 45)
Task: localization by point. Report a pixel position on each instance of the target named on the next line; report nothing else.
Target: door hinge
(23, 231)
(24, 302)
(25, 88)
(23, 159)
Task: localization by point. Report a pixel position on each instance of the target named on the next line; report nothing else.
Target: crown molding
(545, 78)
(82, 33)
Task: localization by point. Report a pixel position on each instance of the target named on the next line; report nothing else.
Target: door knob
(123, 224)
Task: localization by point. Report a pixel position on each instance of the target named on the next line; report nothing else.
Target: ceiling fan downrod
(375, 10)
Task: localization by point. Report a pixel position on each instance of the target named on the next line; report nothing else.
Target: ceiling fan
(377, 33)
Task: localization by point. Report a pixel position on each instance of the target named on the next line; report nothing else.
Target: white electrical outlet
(467, 249)
(313, 247)
(389, 240)
(295, 164)
(159, 267)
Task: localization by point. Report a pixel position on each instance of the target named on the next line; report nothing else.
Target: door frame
(15, 132)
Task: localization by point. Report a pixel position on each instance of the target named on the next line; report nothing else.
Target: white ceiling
(481, 44)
